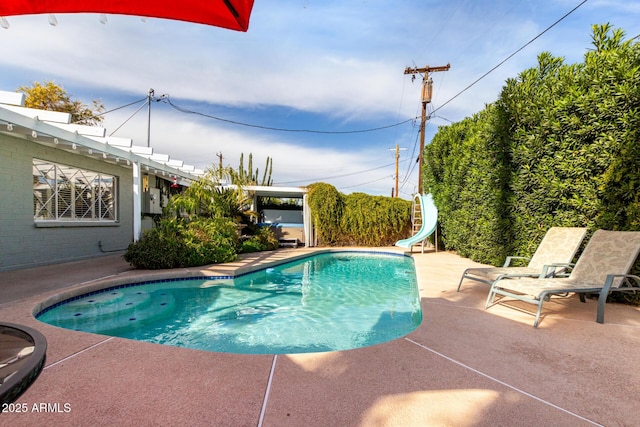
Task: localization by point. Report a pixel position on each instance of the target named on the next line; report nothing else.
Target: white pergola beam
(142, 151)
(114, 141)
(80, 129)
(158, 157)
(12, 98)
(175, 163)
(42, 115)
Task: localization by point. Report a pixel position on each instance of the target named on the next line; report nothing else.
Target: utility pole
(427, 91)
(220, 158)
(397, 157)
(149, 97)
(220, 168)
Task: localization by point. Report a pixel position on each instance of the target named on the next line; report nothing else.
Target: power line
(130, 117)
(440, 117)
(427, 93)
(365, 183)
(184, 110)
(432, 115)
(488, 27)
(411, 166)
(124, 106)
(511, 56)
(116, 109)
(445, 22)
(406, 178)
(404, 84)
(336, 176)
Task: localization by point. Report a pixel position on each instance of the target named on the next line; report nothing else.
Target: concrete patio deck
(464, 366)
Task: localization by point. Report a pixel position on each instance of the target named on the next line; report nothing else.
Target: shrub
(263, 240)
(157, 248)
(174, 243)
(250, 245)
(267, 237)
(358, 218)
(208, 241)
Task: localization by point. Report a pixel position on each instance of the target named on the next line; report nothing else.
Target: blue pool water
(331, 301)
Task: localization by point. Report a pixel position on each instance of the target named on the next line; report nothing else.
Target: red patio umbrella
(231, 14)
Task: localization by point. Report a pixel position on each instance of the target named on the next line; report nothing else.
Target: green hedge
(357, 219)
(326, 205)
(560, 147)
(173, 244)
(465, 172)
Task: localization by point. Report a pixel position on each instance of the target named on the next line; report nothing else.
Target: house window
(66, 193)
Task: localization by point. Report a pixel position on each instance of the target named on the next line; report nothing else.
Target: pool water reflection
(330, 301)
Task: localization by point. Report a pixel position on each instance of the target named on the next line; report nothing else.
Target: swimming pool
(326, 302)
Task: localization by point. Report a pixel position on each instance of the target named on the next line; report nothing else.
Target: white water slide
(429, 216)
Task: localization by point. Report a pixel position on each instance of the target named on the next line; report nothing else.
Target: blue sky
(316, 65)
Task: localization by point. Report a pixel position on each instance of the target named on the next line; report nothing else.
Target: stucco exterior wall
(22, 243)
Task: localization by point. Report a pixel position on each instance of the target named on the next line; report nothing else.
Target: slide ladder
(416, 216)
(424, 222)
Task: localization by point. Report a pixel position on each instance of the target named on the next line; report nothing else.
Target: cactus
(248, 177)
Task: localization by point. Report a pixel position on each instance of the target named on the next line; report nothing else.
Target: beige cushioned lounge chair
(553, 255)
(602, 268)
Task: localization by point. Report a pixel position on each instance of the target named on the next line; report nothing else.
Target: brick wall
(22, 244)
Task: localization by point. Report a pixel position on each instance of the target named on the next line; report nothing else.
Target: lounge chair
(553, 256)
(602, 268)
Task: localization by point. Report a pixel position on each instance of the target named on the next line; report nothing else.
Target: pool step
(288, 243)
(114, 309)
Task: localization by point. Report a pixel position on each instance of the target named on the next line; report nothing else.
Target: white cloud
(198, 144)
(342, 61)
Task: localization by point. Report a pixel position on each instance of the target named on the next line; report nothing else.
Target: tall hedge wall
(357, 219)
(465, 172)
(560, 147)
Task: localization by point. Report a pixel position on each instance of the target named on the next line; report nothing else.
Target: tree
(53, 97)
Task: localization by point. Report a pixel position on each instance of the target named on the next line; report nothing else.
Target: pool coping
(208, 273)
